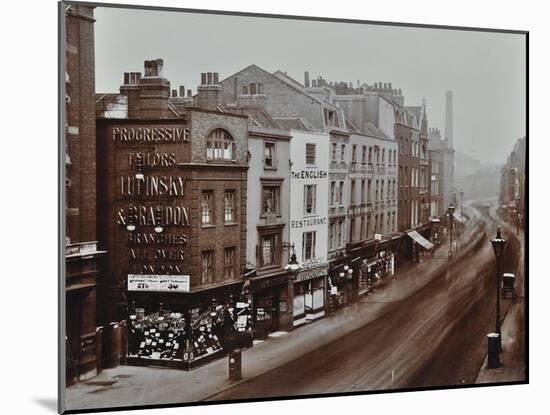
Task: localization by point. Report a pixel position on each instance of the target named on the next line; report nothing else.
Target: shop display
(158, 335)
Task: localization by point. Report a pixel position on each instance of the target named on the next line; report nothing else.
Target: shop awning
(419, 239)
(458, 218)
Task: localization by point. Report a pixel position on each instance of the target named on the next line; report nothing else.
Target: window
(362, 228)
(364, 155)
(370, 155)
(310, 154)
(260, 88)
(252, 89)
(332, 193)
(310, 196)
(383, 156)
(382, 190)
(334, 147)
(363, 191)
(352, 201)
(207, 216)
(331, 235)
(269, 250)
(245, 90)
(229, 206)
(352, 229)
(219, 145)
(271, 200)
(341, 194)
(353, 153)
(340, 235)
(343, 152)
(376, 192)
(229, 263)
(206, 264)
(308, 245)
(369, 190)
(269, 155)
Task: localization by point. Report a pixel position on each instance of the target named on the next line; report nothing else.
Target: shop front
(309, 295)
(270, 304)
(182, 329)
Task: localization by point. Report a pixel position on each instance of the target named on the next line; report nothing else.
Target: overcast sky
(485, 71)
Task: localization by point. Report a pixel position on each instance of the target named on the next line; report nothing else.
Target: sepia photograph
(263, 207)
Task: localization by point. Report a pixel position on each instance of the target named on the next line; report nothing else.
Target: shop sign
(161, 283)
(311, 274)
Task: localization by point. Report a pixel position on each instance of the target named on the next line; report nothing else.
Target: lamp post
(293, 267)
(451, 211)
(498, 246)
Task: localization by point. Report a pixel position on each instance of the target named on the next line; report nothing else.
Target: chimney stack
(182, 91)
(210, 92)
(306, 79)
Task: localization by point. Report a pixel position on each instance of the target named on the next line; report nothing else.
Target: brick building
(82, 257)
(172, 214)
(512, 185)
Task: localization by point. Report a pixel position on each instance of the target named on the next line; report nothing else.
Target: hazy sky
(485, 71)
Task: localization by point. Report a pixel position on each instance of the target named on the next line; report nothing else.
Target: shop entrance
(266, 312)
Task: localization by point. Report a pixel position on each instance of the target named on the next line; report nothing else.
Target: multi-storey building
(512, 184)
(268, 218)
(173, 215)
(437, 148)
(82, 256)
(306, 112)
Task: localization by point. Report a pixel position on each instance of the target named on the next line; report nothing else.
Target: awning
(419, 239)
(459, 219)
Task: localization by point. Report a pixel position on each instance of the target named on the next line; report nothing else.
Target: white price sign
(163, 283)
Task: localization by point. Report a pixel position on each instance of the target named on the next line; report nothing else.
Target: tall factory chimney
(449, 118)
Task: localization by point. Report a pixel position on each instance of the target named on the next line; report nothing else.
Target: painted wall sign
(160, 283)
(309, 174)
(311, 273)
(157, 135)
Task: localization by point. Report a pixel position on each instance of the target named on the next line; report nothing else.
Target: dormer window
(220, 145)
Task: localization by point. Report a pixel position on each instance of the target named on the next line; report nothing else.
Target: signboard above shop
(159, 283)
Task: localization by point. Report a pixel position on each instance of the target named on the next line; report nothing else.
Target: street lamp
(498, 246)
(451, 211)
(293, 267)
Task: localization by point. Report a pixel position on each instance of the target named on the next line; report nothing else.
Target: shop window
(310, 154)
(229, 206)
(269, 155)
(310, 198)
(207, 258)
(207, 216)
(314, 295)
(308, 245)
(229, 263)
(269, 250)
(271, 200)
(220, 145)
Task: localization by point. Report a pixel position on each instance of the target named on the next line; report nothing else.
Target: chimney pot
(389, 86)
(189, 93)
(209, 78)
(174, 93)
(313, 83)
(216, 78)
(203, 78)
(182, 91)
(147, 68)
(126, 78)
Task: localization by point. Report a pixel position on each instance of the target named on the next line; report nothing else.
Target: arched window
(220, 145)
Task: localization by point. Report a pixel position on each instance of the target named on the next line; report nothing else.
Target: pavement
(512, 357)
(129, 385)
